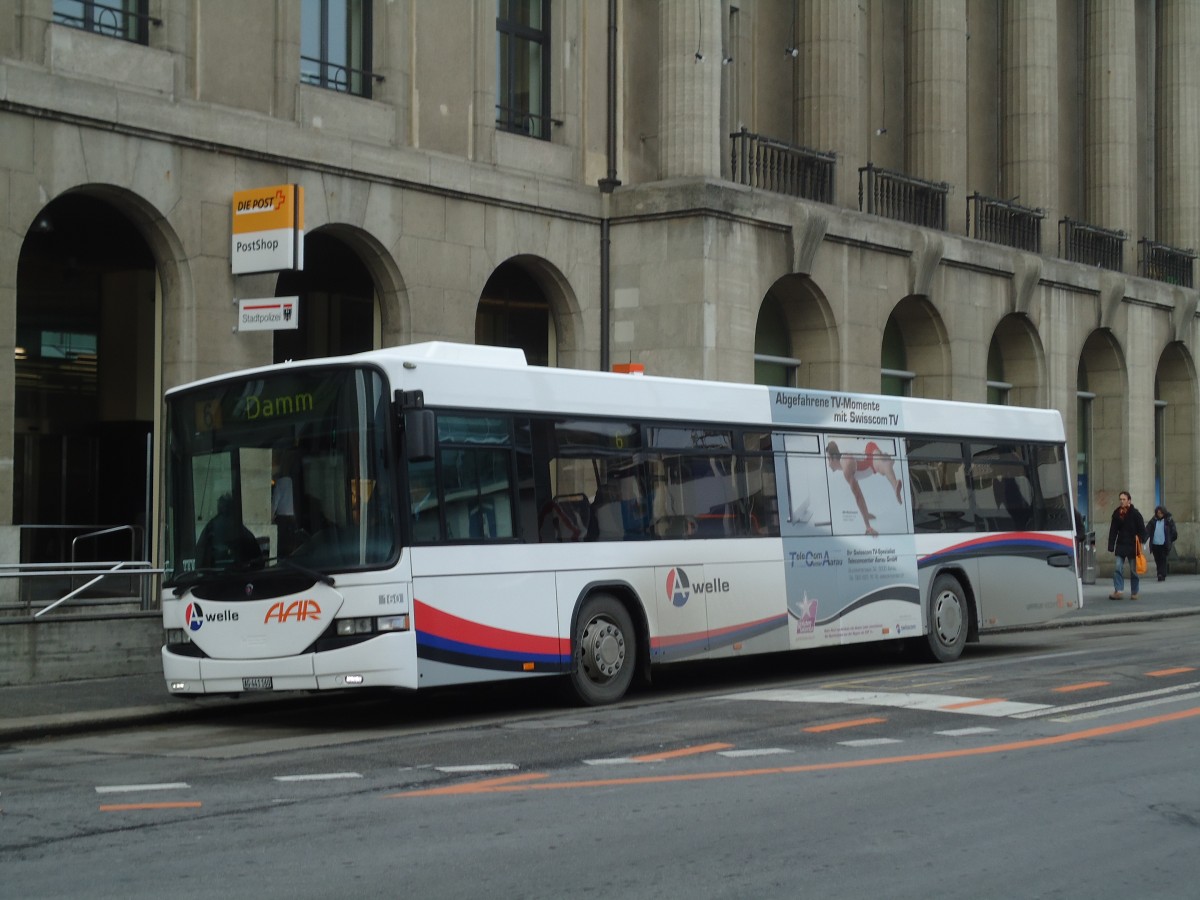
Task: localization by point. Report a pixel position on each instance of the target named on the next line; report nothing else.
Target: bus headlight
(348, 627)
(176, 636)
(393, 623)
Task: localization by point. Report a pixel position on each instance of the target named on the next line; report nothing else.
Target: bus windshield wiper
(183, 580)
(288, 563)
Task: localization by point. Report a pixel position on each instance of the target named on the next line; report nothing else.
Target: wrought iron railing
(894, 195)
(1004, 222)
(110, 21)
(337, 77)
(1164, 263)
(773, 165)
(1091, 244)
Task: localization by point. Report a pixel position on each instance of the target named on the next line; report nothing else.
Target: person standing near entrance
(1127, 530)
(1161, 533)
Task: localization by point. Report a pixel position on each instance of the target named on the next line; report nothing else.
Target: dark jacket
(1170, 532)
(1122, 533)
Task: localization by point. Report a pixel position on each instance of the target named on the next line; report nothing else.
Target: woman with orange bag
(1125, 536)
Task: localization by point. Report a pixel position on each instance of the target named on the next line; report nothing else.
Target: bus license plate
(262, 683)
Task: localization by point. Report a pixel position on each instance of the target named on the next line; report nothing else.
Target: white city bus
(440, 514)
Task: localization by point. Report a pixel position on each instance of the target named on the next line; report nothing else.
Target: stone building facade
(984, 200)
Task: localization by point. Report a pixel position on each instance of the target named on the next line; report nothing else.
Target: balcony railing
(1090, 244)
(895, 195)
(337, 77)
(762, 162)
(1004, 222)
(1164, 263)
(115, 21)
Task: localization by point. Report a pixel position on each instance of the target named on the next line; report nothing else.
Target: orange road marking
(686, 751)
(967, 704)
(1161, 673)
(483, 787)
(1082, 686)
(1033, 743)
(126, 807)
(850, 723)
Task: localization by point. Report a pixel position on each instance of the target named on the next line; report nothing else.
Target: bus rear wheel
(605, 651)
(949, 618)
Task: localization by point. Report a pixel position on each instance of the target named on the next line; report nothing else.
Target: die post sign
(268, 229)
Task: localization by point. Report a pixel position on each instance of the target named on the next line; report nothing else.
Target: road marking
(485, 767)
(320, 776)
(128, 807)
(1128, 707)
(932, 702)
(509, 786)
(123, 788)
(966, 732)
(1108, 701)
(761, 751)
(614, 761)
(1163, 673)
(1082, 686)
(849, 723)
(685, 751)
(869, 742)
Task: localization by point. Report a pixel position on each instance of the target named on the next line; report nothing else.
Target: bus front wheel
(605, 649)
(948, 619)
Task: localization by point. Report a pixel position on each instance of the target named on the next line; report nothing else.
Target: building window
(128, 20)
(523, 67)
(335, 45)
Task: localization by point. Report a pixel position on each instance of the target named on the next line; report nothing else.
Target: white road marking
(1110, 701)
(762, 751)
(485, 767)
(318, 776)
(1127, 707)
(619, 761)
(869, 742)
(123, 788)
(965, 732)
(971, 706)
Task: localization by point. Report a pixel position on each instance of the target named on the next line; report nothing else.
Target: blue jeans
(1119, 575)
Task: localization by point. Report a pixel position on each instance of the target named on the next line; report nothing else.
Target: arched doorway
(1015, 364)
(338, 312)
(1101, 424)
(515, 311)
(1175, 432)
(85, 388)
(795, 338)
(915, 353)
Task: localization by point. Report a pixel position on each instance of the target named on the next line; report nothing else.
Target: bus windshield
(287, 470)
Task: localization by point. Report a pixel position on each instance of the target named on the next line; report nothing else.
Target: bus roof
(476, 377)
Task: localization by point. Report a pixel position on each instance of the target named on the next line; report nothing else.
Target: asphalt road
(1056, 763)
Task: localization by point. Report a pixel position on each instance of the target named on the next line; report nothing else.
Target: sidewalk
(32, 711)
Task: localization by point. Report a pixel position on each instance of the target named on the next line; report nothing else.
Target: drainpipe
(607, 185)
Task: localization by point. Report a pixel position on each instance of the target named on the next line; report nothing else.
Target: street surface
(1055, 763)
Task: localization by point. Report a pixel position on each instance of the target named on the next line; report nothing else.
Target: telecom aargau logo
(194, 616)
(679, 588)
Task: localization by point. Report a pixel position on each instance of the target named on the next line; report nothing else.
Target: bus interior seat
(565, 519)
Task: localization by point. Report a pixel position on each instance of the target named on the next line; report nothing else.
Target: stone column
(936, 132)
(1177, 118)
(1110, 129)
(827, 88)
(1029, 79)
(689, 77)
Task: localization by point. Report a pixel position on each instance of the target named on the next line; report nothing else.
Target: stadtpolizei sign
(268, 229)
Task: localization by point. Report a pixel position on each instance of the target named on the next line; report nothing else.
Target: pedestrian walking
(1128, 529)
(1161, 533)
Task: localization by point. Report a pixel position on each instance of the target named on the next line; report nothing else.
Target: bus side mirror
(420, 434)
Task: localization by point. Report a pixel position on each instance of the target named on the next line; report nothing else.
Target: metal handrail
(101, 569)
(104, 574)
